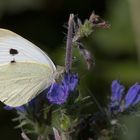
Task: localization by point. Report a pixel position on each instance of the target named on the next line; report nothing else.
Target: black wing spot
(12, 61)
(13, 51)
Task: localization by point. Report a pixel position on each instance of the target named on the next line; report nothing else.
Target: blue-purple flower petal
(116, 97)
(71, 80)
(19, 108)
(58, 93)
(132, 96)
(137, 100)
(117, 91)
(8, 107)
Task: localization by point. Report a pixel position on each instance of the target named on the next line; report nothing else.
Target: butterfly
(25, 70)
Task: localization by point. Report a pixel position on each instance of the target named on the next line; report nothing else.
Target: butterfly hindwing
(18, 86)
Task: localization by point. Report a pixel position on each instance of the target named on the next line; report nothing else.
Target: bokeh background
(116, 50)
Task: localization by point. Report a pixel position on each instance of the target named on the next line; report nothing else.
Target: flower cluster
(120, 100)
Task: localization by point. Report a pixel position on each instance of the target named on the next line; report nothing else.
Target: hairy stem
(24, 136)
(68, 58)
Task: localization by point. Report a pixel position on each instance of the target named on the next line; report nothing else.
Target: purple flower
(71, 81)
(133, 95)
(117, 93)
(131, 98)
(59, 92)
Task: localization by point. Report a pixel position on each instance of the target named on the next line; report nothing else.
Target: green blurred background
(116, 50)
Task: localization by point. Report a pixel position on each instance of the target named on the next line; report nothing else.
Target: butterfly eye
(13, 51)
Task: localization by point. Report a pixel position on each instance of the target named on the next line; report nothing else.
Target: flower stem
(68, 57)
(24, 136)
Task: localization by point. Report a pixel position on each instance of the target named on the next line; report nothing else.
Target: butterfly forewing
(26, 51)
(21, 82)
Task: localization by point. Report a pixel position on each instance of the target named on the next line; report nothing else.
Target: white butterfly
(25, 70)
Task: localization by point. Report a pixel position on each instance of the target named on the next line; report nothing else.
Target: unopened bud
(87, 56)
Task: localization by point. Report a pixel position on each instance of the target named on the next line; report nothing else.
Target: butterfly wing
(25, 51)
(25, 70)
(20, 82)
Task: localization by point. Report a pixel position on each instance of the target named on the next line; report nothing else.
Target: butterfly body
(25, 70)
